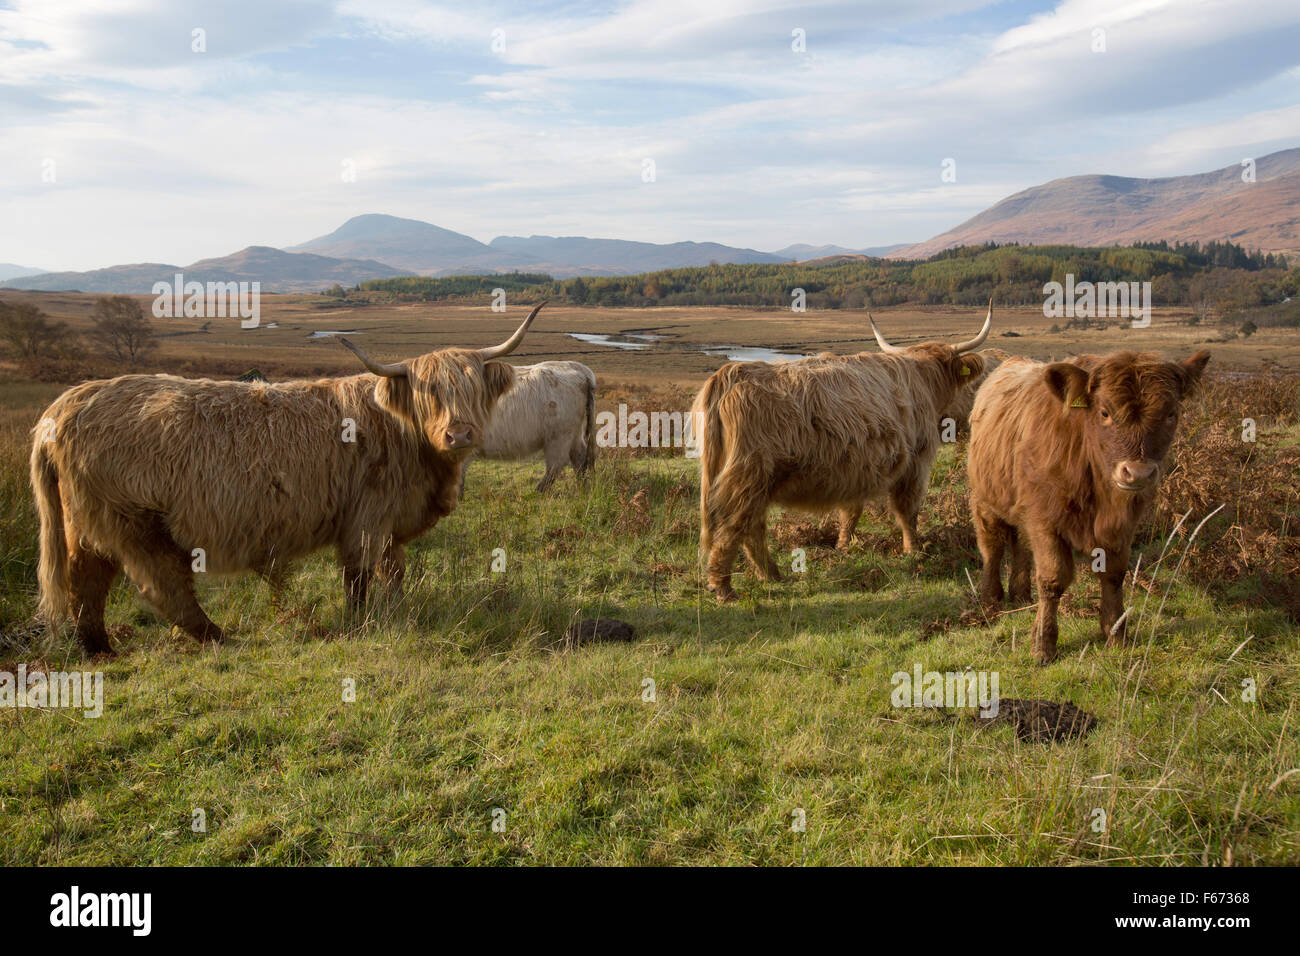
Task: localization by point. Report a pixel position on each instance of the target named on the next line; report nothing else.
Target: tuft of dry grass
(1258, 531)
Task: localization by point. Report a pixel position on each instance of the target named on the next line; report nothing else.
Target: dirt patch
(1041, 721)
(599, 631)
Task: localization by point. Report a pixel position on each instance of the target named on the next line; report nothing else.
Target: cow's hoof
(725, 595)
(210, 634)
(97, 645)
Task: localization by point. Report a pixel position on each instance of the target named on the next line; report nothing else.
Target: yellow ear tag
(965, 370)
(1079, 402)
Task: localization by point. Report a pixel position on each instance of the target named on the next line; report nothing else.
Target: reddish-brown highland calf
(1067, 457)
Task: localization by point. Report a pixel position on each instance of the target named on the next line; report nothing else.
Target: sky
(170, 131)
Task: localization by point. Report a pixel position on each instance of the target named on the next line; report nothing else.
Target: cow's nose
(459, 436)
(1137, 474)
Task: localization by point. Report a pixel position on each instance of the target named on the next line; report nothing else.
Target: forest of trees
(1211, 278)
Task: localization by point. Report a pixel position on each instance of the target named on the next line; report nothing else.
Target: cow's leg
(356, 586)
(722, 556)
(991, 533)
(1054, 567)
(578, 457)
(1020, 581)
(391, 568)
(727, 536)
(165, 576)
(1112, 597)
(756, 550)
(849, 515)
(90, 577)
(360, 552)
(556, 455)
(905, 504)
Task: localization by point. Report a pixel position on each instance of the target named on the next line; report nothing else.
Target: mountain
(1119, 210)
(278, 271)
(10, 271)
(577, 255)
(431, 250)
(404, 243)
(281, 271)
(378, 246)
(802, 251)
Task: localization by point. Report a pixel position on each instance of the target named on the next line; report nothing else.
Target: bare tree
(122, 328)
(29, 333)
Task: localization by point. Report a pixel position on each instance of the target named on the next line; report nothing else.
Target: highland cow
(160, 477)
(1067, 458)
(954, 420)
(816, 434)
(552, 409)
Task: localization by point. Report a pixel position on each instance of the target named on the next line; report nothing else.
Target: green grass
(468, 699)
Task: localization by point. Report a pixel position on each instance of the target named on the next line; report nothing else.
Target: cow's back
(826, 429)
(547, 401)
(248, 472)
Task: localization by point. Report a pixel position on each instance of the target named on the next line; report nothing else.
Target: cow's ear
(397, 396)
(1068, 383)
(1191, 369)
(498, 377)
(968, 368)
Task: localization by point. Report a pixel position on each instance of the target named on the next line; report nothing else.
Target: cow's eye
(1105, 416)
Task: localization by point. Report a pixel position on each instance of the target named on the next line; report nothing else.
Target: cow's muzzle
(458, 436)
(1135, 475)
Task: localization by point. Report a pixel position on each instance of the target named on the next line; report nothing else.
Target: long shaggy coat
(816, 434)
(161, 477)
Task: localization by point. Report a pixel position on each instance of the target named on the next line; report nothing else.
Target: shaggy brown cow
(958, 411)
(163, 476)
(817, 434)
(1067, 457)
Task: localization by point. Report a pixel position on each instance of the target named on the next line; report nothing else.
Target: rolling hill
(1116, 210)
(10, 271)
(278, 271)
(427, 249)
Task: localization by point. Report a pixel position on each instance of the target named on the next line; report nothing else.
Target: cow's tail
(707, 423)
(589, 458)
(52, 571)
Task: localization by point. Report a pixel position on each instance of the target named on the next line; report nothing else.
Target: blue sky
(160, 153)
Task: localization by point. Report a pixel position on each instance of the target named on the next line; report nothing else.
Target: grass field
(469, 699)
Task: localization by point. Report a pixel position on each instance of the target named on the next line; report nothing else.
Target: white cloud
(167, 155)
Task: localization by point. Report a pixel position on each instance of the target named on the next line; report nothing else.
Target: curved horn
(979, 339)
(880, 339)
(512, 343)
(395, 370)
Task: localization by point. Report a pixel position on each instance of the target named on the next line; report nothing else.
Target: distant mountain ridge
(278, 271)
(427, 249)
(10, 271)
(1093, 210)
(1098, 210)
(379, 246)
